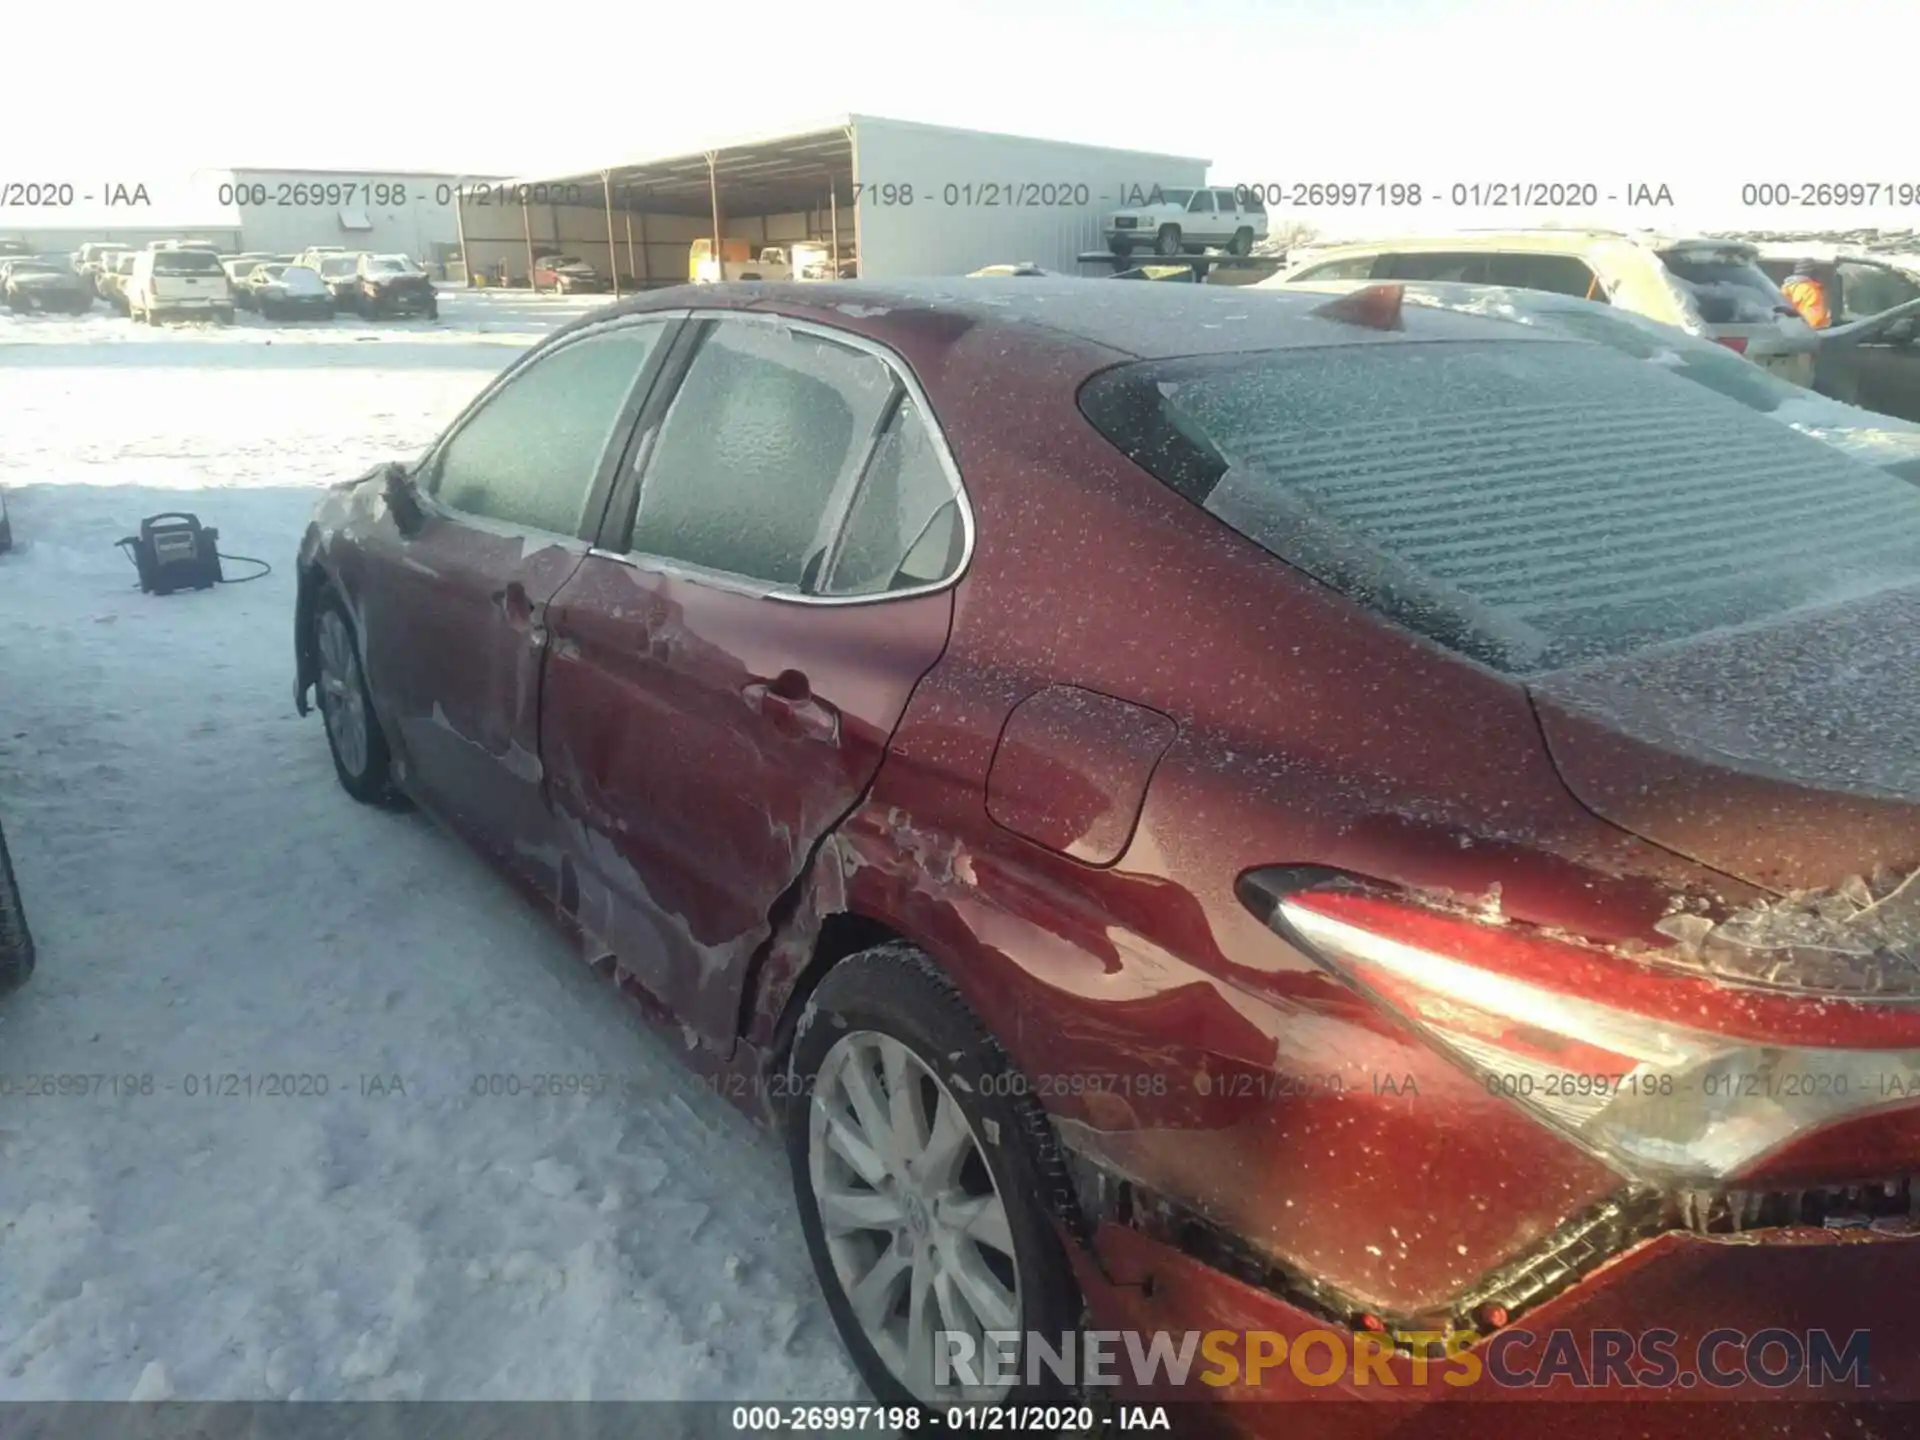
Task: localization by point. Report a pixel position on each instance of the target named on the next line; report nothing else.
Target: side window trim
(844, 502)
(644, 384)
(615, 532)
(618, 531)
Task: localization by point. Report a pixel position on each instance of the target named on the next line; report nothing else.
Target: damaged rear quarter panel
(1174, 1038)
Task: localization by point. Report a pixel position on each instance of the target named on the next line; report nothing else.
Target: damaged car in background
(1196, 809)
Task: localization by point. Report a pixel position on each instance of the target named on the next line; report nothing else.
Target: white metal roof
(822, 125)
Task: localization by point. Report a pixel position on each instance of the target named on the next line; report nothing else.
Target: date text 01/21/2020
(1300, 195)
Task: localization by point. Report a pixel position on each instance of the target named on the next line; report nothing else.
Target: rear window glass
(1727, 291)
(1354, 267)
(1558, 274)
(337, 265)
(1468, 267)
(1700, 361)
(186, 262)
(1531, 506)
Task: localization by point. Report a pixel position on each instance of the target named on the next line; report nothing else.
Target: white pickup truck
(1182, 219)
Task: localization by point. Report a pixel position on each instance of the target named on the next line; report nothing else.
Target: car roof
(1139, 321)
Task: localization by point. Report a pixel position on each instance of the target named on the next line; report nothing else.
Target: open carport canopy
(636, 220)
(756, 177)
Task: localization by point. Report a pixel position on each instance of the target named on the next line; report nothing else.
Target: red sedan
(1238, 812)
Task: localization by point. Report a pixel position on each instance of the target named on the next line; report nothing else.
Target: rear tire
(1241, 243)
(361, 758)
(926, 1178)
(16, 941)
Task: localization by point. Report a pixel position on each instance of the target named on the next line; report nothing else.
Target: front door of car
(454, 617)
(728, 667)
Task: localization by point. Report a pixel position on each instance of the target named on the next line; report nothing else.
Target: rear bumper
(1729, 1310)
(402, 302)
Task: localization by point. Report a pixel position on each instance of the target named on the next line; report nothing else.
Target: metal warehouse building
(388, 212)
(893, 197)
(278, 212)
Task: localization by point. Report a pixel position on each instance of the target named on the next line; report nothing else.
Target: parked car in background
(386, 286)
(1879, 438)
(179, 283)
(1714, 288)
(1874, 362)
(93, 257)
(10, 248)
(1182, 219)
(238, 267)
(568, 275)
(244, 279)
(51, 286)
(102, 264)
(1859, 286)
(314, 254)
(290, 292)
(341, 272)
(112, 284)
(1460, 729)
(16, 940)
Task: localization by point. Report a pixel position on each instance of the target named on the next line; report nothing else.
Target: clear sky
(1701, 95)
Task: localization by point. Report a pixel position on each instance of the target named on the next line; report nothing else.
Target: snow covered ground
(209, 904)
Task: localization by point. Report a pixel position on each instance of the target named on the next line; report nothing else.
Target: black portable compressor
(174, 551)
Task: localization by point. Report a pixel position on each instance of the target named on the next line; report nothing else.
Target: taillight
(1735, 343)
(1675, 1079)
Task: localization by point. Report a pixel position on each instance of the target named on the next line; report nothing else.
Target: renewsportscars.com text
(1774, 1359)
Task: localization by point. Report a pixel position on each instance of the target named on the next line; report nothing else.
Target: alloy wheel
(342, 699)
(913, 1217)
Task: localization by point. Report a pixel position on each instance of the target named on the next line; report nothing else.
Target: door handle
(514, 600)
(789, 702)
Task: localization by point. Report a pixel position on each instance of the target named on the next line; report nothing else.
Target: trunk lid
(1782, 753)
